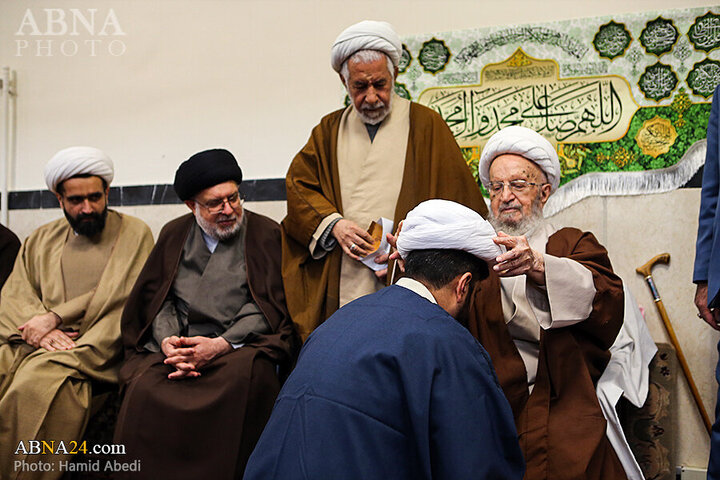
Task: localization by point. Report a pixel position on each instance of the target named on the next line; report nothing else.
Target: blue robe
(707, 253)
(390, 387)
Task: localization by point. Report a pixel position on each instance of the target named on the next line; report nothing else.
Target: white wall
(634, 229)
(254, 77)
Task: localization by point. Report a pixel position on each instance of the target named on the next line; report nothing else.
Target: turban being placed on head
(74, 161)
(526, 143)
(366, 35)
(442, 224)
(204, 170)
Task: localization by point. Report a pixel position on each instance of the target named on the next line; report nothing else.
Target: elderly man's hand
(354, 241)
(58, 340)
(711, 317)
(37, 327)
(520, 259)
(206, 349)
(194, 353)
(179, 357)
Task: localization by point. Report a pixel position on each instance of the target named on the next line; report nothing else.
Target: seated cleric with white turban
(547, 314)
(392, 385)
(60, 312)
(379, 157)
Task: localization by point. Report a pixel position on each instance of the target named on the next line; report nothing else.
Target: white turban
(442, 224)
(366, 35)
(526, 143)
(77, 161)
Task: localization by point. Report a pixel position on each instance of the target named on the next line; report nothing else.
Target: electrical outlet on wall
(690, 473)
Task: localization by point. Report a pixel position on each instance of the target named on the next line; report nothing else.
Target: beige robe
(564, 300)
(434, 167)
(46, 395)
(370, 175)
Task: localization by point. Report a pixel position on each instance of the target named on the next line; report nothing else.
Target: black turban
(204, 170)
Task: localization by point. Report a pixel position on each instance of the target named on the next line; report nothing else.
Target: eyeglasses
(516, 186)
(217, 205)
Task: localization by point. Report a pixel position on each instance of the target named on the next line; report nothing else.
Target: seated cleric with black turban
(207, 309)
(204, 170)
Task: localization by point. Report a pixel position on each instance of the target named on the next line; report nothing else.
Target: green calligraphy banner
(625, 99)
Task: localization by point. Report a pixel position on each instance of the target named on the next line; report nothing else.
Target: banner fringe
(628, 183)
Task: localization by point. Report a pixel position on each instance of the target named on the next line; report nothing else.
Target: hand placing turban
(74, 161)
(442, 224)
(524, 142)
(204, 170)
(366, 35)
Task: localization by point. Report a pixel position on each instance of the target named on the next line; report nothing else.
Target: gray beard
(214, 231)
(522, 227)
(514, 229)
(379, 115)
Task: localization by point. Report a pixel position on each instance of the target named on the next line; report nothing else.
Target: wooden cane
(646, 271)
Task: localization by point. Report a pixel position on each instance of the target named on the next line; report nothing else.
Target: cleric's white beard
(526, 224)
(377, 114)
(215, 231)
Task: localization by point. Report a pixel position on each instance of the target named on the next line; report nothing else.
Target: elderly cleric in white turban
(524, 142)
(366, 35)
(442, 224)
(73, 161)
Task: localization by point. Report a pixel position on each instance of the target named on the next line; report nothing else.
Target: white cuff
(568, 294)
(315, 251)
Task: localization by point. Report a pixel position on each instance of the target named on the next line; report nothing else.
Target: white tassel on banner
(628, 183)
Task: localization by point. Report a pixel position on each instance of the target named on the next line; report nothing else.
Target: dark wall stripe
(266, 190)
(695, 181)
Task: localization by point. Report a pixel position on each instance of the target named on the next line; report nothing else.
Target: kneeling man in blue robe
(392, 386)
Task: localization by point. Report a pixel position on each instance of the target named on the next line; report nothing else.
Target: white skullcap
(366, 35)
(526, 143)
(77, 161)
(442, 224)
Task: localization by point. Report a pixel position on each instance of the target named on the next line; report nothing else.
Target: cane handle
(646, 270)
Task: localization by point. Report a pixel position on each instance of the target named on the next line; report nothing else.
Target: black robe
(9, 248)
(204, 427)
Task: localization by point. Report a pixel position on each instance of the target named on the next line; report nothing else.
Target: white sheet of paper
(369, 260)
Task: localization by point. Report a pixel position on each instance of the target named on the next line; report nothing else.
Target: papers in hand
(378, 231)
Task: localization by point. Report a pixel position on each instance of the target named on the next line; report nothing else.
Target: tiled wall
(23, 222)
(252, 190)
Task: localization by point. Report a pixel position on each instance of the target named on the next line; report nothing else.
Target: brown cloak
(560, 425)
(204, 427)
(434, 168)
